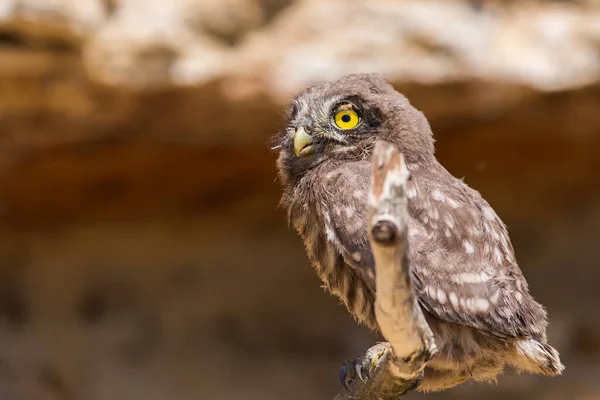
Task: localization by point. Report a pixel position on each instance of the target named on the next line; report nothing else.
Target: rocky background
(142, 253)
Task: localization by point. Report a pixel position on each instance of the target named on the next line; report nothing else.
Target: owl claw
(347, 374)
(372, 359)
(358, 369)
(381, 359)
(343, 376)
(367, 365)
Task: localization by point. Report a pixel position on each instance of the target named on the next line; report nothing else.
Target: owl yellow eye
(346, 119)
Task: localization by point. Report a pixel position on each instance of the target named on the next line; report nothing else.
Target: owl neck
(293, 173)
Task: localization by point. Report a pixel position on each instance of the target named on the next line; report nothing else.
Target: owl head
(342, 119)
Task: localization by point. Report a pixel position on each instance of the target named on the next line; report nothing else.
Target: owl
(465, 274)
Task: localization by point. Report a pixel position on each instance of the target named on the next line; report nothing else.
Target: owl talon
(366, 366)
(374, 357)
(380, 361)
(358, 369)
(347, 374)
(343, 376)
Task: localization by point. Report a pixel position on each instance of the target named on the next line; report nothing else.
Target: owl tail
(537, 357)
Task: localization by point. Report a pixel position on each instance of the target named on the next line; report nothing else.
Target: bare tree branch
(399, 316)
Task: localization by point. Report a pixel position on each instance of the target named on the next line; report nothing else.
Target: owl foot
(366, 366)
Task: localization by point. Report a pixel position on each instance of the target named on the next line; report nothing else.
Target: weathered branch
(399, 316)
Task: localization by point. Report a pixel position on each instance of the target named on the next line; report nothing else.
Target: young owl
(466, 278)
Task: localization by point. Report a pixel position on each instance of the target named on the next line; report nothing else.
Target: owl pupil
(346, 118)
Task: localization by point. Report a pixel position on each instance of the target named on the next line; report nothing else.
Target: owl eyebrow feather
(343, 103)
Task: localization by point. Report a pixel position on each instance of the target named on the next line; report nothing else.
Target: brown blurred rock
(142, 253)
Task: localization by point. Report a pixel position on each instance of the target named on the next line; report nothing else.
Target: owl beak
(302, 143)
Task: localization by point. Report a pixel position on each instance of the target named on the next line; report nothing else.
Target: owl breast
(314, 217)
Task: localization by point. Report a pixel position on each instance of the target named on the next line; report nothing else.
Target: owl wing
(463, 263)
(464, 266)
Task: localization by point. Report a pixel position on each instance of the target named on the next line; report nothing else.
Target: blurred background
(142, 251)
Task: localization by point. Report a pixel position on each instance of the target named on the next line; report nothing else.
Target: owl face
(329, 125)
(341, 120)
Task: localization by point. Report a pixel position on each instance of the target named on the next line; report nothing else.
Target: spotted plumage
(467, 280)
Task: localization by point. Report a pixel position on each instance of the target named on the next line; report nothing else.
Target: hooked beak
(302, 143)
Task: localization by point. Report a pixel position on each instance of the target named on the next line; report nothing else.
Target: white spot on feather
(519, 296)
(328, 228)
(488, 213)
(333, 174)
(481, 304)
(330, 234)
(411, 192)
(497, 255)
(441, 296)
(470, 305)
(431, 291)
(468, 247)
(356, 256)
(327, 218)
(452, 203)
(495, 297)
(449, 221)
(437, 195)
(469, 277)
(453, 299)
